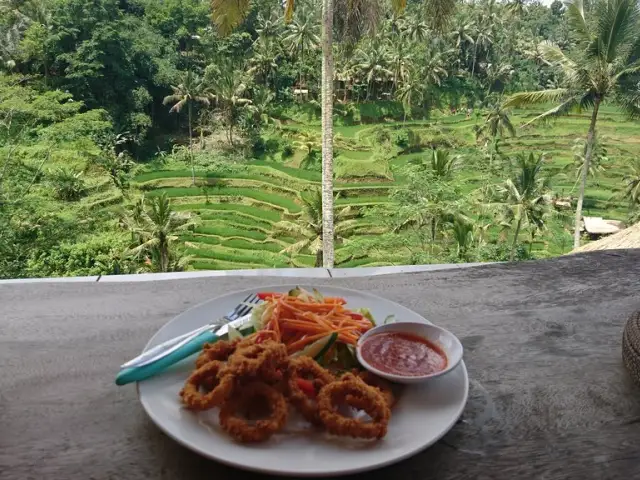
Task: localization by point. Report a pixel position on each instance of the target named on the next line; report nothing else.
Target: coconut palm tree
(605, 60)
(264, 61)
(302, 38)
(434, 66)
(516, 8)
(229, 93)
(412, 91)
(269, 28)
(308, 229)
(190, 90)
(356, 17)
(483, 40)
(598, 157)
(154, 226)
(632, 183)
(462, 34)
(496, 72)
(496, 123)
(417, 31)
(261, 106)
(400, 60)
(373, 64)
(524, 199)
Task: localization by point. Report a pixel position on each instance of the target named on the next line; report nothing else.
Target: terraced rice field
(238, 210)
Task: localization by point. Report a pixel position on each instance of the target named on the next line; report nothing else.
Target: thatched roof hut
(598, 226)
(627, 238)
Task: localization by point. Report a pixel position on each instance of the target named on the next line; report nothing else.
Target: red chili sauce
(403, 354)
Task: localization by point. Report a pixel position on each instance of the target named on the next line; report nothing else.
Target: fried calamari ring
(380, 384)
(355, 393)
(221, 350)
(305, 367)
(239, 428)
(263, 360)
(208, 376)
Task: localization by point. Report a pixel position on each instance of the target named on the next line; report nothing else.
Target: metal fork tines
(173, 344)
(242, 309)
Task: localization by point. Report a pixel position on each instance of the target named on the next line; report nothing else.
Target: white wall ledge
(268, 272)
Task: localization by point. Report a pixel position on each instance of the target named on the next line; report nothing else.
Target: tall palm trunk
(514, 244)
(193, 169)
(585, 171)
(319, 259)
(163, 250)
(327, 133)
(475, 55)
(300, 67)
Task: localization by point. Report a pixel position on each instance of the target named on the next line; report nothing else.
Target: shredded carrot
(297, 322)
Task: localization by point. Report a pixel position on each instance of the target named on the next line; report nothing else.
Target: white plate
(422, 416)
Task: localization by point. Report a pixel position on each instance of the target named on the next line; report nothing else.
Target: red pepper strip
(355, 316)
(307, 387)
(265, 295)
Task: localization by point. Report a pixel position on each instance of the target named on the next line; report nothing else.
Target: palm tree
(308, 228)
(309, 142)
(302, 37)
(605, 61)
(190, 90)
(497, 72)
(440, 163)
(412, 89)
(269, 28)
(261, 104)
(443, 164)
(523, 199)
(632, 183)
(400, 60)
(483, 40)
(155, 230)
(433, 69)
(227, 15)
(462, 233)
(373, 64)
(462, 34)
(496, 123)
(516, 8)
(417, 31)
(598, 157)
(228, 93)
(264, 61)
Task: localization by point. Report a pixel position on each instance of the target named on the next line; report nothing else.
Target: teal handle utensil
(137, 374)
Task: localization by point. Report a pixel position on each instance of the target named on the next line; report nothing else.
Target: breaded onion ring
(207, 376)
(304, 367)
(264, 360)
(380, 384)
(238, 428)
(221, 350)
(355, 393)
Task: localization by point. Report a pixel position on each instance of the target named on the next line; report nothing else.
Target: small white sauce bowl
(444, 339)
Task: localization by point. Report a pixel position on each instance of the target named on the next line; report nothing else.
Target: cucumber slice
(233, 333)
(318, 348)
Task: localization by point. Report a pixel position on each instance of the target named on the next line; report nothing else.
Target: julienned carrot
(294, 347)
(297, 323)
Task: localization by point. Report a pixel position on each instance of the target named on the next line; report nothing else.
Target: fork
(170, 346)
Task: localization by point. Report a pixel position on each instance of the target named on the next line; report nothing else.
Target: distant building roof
(600, 226)
(627, 238)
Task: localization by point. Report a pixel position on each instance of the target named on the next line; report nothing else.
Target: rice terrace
(146, 136)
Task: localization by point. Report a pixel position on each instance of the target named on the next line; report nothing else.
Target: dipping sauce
(403, 354)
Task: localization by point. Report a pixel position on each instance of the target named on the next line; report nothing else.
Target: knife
(137, 374)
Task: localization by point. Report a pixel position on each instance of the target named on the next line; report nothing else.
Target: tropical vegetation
(141, 136)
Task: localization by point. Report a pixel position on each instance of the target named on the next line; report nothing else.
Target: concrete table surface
(549, 397)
